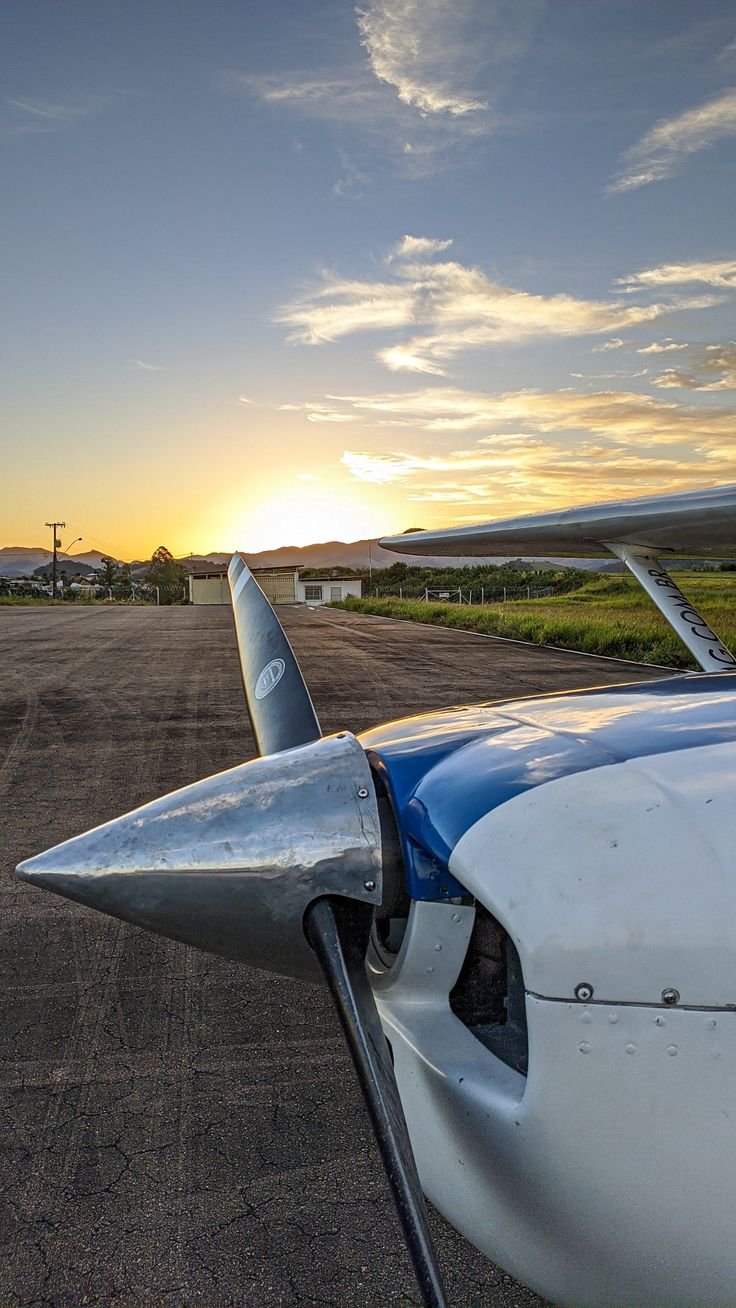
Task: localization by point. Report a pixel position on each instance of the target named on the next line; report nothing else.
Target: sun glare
(307, 515)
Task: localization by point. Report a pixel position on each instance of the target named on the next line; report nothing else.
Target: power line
(95, 540)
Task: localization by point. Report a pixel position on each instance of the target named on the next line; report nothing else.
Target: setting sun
(309, 512)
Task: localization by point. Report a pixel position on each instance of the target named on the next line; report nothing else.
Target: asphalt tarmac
(177, 1129)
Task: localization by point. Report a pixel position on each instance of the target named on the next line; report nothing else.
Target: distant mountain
(19, 561)
(362, 553)
(22, 561)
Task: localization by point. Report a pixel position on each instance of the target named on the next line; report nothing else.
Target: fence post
(401, 593)
(482, 595)
(426, 594)
(528, 593)
(504, 594)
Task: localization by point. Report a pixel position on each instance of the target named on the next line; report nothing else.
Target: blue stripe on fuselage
(446, 770)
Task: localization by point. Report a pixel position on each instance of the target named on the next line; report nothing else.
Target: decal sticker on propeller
(269, 678)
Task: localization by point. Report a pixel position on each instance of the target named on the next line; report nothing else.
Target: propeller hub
(231, 863)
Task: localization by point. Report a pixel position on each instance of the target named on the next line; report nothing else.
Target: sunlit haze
(278, 274)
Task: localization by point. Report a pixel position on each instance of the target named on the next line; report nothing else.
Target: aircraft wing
(687, 523)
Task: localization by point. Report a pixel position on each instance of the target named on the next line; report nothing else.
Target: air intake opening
(389, 923)
(488, 996)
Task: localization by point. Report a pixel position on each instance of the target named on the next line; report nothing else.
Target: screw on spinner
(584, 990)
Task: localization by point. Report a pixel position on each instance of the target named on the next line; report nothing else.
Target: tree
(106, 576)
(166, 575)
(124, 584)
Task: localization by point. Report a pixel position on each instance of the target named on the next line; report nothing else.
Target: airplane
(525, 912)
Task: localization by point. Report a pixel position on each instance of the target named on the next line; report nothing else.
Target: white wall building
(280, 585)
(325, 589)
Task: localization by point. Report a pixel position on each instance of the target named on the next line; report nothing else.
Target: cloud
(318, 411)
(413, 247)
(717, 272)
(456, 307)
(340, 307)
(609, 376)
(419, 47)
(662, 347)
(625, 417)
(331, 98)
(526, 474)
(663, 150)
(363, 113)
(711, 368)
(28, 116)
(616, 344)
(409, 92)
(142, 366)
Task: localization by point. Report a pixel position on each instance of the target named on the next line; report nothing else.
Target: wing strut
(636, 531)
(683, 617)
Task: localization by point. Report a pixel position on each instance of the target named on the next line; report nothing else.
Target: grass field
(606, 615)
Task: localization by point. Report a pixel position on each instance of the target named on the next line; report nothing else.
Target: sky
(276, 274)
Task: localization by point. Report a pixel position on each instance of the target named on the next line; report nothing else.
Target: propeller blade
(279, 705)
(338, 931)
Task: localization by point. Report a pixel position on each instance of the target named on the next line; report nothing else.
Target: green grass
(606, 615)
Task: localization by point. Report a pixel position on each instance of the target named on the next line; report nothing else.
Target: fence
(455, 595)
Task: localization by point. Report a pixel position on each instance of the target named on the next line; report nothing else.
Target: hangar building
(280, 585)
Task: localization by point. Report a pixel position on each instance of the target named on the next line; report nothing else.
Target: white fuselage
(606, 1176)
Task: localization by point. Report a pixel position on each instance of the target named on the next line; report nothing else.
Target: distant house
(279, 585)
(23, 583)
(323, 590)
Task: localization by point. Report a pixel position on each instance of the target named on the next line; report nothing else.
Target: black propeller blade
(279, 705)
(338, 931)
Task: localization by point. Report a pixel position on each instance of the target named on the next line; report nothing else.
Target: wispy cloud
(662, 347)
(709, 368)
(559, 447)
(331, 98)
(525, 474)
(623, 416)
(340, 307)
(610, 376)
(364, 115)
(418, 247)
(714, 272)
(663, 150)
(317, 411)
(409, 92)
(617, 343)
(29, 116)
(142, 366)
(457, 308)
(420, 47)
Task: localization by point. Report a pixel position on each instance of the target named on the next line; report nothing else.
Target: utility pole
(370, 566)
(57, 545)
